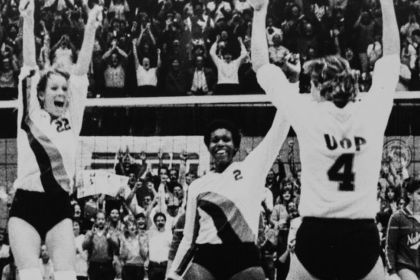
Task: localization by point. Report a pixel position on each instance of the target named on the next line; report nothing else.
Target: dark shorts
(224, 261)
(42, 210)
(337, 248)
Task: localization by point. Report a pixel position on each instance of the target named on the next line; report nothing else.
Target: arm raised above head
(259, 47)
(26, 9)
(390, 33)
(85, 54)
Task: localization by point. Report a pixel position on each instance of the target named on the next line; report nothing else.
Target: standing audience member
(115, 61)
(227, 67)
(146, 75)
(402, 244)
(46, 266)
(81, 265)
(132, 253)
(101, 249)
(160, 239)
(200, 78)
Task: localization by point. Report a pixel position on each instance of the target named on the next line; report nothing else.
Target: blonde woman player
(50, 116)
(341, 138)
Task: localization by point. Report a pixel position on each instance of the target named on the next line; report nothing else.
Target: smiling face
(54, 96)
(222, 148)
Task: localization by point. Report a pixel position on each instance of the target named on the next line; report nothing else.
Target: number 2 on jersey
(344, 177)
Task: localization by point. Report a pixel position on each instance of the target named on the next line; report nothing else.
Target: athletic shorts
(223, 261)
(42, 210)
(337, 248)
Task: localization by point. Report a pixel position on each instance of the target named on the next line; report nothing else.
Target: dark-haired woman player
(223, 208)
(402, 250)
(50, 116)
(341, 138)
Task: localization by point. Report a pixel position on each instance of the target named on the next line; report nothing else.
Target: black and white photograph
(210, 140)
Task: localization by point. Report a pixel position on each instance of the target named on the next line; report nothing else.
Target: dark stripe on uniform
(224, 228)
(231, 214)
(48, 180)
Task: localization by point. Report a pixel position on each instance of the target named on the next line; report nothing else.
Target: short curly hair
(334, 77)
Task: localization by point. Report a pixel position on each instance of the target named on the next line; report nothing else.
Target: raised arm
(27, 12)
(213, 48)
(121, 52)
(259, 47)
(391, 36)
(391, 247)
(159, 59)
(185, 250)
(244, 52)
(136, 56)
(387, 69)
(85, 54)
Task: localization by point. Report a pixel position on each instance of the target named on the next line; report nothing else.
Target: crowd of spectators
(136, 233)
(200, 47)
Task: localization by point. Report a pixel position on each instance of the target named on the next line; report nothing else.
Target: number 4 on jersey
(341, 172)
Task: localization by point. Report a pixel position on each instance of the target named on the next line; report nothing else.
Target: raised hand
(258, 4)
(95, 15)
(26, 8)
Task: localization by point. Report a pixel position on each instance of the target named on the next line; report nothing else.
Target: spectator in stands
(278, 53)
(119, 8)
(175, 80)
(46, 266)
(132, 253)
(102, 250)
(10, 271)
(177, 234)
(81, 265)
(402, 251)
(200, 78)
(8, 77)
(408, 28)
(5, 253)
(160, 239)
(63, 54)
(307, 39)
(365, 28)
(272, 31)
(115, 61)
(145, 74)
(227, 68)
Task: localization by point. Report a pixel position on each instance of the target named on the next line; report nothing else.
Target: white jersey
(224, 208)
(46, 146)
(340, 149)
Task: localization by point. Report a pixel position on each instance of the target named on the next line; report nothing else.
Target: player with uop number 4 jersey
(341, 138)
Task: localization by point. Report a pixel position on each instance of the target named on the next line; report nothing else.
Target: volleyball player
(403, 237)
(341, 138)
(223, 208)
(50, 116)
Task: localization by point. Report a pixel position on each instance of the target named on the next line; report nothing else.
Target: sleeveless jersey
(340, 149)
(46, 146)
